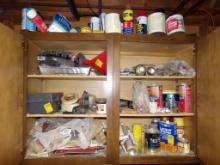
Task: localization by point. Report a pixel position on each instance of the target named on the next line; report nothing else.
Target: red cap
(141, 13)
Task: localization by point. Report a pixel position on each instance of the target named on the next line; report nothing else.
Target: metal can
(185, 97)
(156, 93)
(171, 101)
(128, 27)
(175, 24)
(26, 22)
(141, 22)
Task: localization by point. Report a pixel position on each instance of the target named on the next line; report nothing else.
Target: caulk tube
(37, 20)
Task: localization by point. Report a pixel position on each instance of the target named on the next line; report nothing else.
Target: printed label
(48, 108)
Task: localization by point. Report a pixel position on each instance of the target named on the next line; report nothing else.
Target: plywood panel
(208, 98)
(11, 97)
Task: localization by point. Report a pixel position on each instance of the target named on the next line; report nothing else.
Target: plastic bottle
(37, 20)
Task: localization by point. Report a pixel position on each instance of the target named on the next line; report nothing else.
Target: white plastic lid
(31, 13)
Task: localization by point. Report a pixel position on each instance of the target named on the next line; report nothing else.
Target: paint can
(112, 23)
(27, 24)
(156, 23)
(175, 24)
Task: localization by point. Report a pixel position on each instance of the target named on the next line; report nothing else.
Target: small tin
(156, 23)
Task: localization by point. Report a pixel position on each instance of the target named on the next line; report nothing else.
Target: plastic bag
(140, 97)
(175, 68)
(48, 135)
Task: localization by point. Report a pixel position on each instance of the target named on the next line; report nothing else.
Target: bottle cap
(31, 13)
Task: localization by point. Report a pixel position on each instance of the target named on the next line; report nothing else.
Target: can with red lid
(185, 97)
(141, 20)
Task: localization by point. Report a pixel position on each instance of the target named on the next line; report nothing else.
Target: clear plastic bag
(175, 68)
(140, 97)
(48, 135)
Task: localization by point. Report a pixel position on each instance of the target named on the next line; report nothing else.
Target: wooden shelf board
(173, 39)
(67, 160)
(39, 36)
(156, 77)
(39, 76)
(162, 39)
(156, 114)
(92, 115)
(160, 159)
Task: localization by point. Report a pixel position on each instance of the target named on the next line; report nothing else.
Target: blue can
(26, 23)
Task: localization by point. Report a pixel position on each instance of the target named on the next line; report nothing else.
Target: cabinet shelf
(156, 114)
(160, 159)
(61, 77)
(156, 77)
(67, 160)
(60, 115)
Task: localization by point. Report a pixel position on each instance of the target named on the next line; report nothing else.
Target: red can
(185, 98)
(156, 92)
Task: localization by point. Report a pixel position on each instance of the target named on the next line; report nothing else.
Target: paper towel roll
(112, 23)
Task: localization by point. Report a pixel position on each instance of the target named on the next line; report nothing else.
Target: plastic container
(60, 24)
(95, 24)
(37, 20)
(43, 103)
(112, 23)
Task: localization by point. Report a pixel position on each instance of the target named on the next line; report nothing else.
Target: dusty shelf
(156, 77)
(63, 76)
(60, 115)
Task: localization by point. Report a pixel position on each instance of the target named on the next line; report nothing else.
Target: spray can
(26, 23)
(37, 20)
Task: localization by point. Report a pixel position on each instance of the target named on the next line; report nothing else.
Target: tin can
(175, 24)
(141, 19)
(156, 94)
(185, 98)
(27, 24)
(171, 101)
(128, 27)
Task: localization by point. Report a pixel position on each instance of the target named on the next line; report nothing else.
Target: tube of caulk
(37, 20)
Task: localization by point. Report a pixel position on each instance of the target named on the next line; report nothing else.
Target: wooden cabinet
(123, 51)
